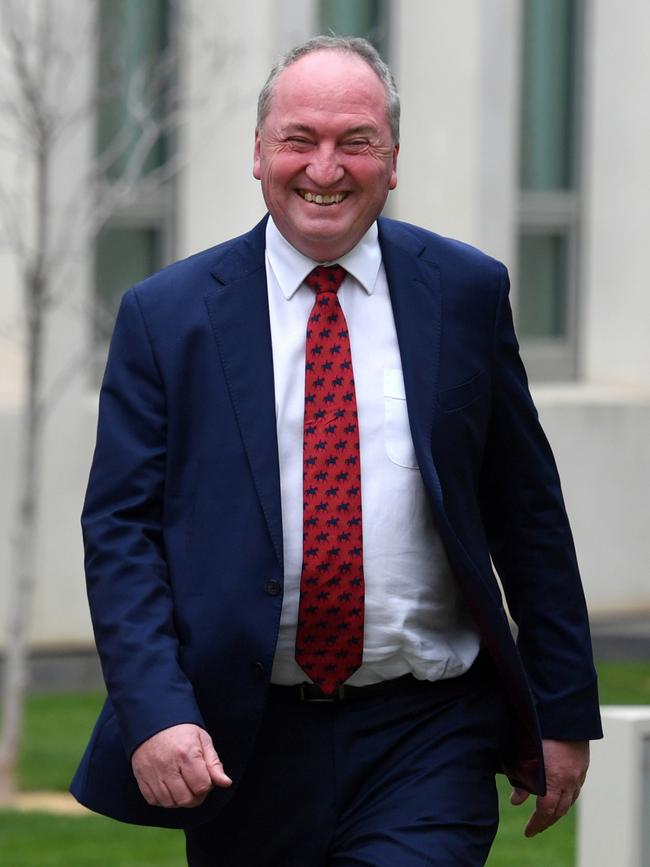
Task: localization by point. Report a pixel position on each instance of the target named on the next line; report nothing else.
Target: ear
(257, 172)
(392, 183)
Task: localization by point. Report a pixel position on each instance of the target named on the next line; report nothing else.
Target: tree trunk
(14, 685)
(19, 610)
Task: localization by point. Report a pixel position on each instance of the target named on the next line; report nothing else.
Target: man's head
(326, 144)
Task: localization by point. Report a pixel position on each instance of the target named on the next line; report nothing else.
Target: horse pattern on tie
(329, 638)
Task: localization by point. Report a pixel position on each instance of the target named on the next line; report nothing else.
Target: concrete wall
(600, 439)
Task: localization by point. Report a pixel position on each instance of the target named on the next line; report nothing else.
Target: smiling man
(325, 153)
(314, 441)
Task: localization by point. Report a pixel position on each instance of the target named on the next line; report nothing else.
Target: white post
(614, 808)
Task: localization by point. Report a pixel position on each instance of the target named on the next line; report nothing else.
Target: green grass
(624, 682)
(554, 848)
(40, 840)
(56, 730)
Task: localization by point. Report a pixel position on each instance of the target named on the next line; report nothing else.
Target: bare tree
(39, 109)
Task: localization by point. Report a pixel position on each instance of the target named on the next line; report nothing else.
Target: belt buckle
(338, 695)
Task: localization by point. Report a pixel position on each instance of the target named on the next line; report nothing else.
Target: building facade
(526, 132)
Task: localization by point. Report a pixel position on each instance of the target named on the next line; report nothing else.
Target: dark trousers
(390, 781)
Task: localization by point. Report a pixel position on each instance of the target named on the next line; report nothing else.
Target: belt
(311, 692)
(398, 686)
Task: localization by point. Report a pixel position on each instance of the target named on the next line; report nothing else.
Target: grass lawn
(41, 840)
(56, 729)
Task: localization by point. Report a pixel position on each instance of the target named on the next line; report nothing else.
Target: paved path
(60, 803)
(621, 638)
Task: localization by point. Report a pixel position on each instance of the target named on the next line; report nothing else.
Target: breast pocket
(397, 433)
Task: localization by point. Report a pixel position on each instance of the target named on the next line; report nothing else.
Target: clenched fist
(178, 767)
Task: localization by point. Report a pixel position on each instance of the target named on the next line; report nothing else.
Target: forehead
(329, 82)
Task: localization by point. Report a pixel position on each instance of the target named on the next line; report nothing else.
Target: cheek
(280, 170)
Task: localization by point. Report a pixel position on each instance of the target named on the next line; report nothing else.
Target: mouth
(323, 199)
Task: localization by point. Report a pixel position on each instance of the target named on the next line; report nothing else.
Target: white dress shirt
(415, 620)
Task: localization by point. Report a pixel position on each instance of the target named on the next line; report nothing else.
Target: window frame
(150, 207)
(542, 212)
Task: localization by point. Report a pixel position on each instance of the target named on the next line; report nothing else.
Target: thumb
(518, 796)
(212, 761)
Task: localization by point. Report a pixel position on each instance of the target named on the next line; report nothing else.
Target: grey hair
(349, 45)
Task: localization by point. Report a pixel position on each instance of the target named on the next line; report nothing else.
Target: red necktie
(329, 638)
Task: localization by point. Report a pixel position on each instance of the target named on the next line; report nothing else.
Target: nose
(324, 169)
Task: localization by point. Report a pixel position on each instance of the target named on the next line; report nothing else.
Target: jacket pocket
(397, 433)
(464, 394)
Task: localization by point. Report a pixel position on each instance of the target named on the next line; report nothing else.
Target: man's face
(325, 156)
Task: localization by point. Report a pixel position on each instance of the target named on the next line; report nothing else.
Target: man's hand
(177, 767)
(566, 764)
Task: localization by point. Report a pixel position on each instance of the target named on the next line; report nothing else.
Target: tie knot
(325, 278)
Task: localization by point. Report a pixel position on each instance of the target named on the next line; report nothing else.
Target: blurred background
(126, 139)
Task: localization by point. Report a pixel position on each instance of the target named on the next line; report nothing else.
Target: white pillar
(614, 808)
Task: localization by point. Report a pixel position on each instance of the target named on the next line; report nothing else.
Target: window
(134, 73)
(123, 256)
(358, 18)
(549, 191)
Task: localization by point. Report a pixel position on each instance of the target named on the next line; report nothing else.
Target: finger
(565, 803)
(518, 796)
(194, 770)
(147, 793)
(213, 763)
(197, 778)
(545, 814)
(179, 790)
(165, 798)
(151, 788)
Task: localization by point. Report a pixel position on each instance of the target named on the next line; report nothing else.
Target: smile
(321, 199)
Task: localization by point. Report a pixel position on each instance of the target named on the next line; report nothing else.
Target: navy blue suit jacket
(182, 520)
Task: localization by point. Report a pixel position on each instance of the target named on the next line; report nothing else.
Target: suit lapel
(239, 314)
(415, 291)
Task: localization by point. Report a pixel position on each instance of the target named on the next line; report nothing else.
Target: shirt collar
(290, 266)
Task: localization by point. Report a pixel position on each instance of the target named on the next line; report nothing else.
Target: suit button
(258, 668)
(273, 587)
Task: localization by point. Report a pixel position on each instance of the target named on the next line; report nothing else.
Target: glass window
(134, 71)
(123, 256)
(549, 206)
(548, 95)
(132, 37)
(542, 270)
(355, 18)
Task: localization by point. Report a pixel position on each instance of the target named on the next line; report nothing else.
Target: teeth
(320, 199)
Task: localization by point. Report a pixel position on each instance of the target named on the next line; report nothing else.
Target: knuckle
(186, 801)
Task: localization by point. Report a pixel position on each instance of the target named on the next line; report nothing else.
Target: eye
(298, 142)
(355, 145)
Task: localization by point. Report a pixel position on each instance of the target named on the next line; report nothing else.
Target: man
(288, 537)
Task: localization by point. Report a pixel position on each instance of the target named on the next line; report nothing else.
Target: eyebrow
(302, 127)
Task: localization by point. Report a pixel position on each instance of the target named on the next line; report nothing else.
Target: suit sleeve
(532, 548)
(128, 588)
